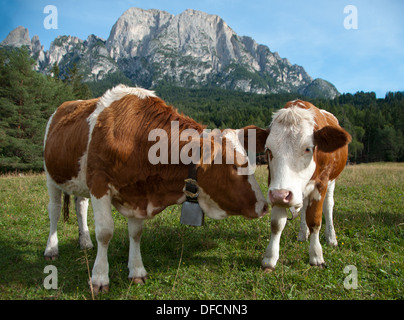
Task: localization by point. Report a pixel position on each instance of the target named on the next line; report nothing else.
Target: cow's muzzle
(280, 197)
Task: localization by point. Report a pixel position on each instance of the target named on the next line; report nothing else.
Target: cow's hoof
(51, 253)
(98, 288)
(332, 243)
(101, 288)
(85, 241)
(86, 246)
(320, 265)
(268, 269)
(51, 257)
(302, 238)
(139, 280)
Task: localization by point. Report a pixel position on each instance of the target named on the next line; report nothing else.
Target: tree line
(376, 125)
(29, 98)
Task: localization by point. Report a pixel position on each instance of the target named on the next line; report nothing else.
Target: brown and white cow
(99, 149)
(307, 150)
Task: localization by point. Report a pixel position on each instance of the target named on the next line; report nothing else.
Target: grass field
(220, 260)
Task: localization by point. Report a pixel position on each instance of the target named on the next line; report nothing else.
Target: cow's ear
(261, 136)
(329, 138)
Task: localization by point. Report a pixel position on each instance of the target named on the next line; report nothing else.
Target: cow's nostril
(280, 196)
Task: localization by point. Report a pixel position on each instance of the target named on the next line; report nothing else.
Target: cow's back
(66, 139)
(119, 150)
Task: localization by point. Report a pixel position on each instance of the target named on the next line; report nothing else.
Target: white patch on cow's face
(210, 207)
(233, 144)
(291, 144)
(233, 136)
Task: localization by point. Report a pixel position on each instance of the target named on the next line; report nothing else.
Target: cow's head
(293, 145)
(226, 186)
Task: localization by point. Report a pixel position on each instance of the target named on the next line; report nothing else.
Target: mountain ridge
(192, 49)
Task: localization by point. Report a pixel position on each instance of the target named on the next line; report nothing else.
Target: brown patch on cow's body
(118, 154)
(328, 167)
(67, 139)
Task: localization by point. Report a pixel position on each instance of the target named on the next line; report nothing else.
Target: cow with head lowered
(307, 150)
(100, 149)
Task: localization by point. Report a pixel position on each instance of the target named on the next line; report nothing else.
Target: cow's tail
(66, 203)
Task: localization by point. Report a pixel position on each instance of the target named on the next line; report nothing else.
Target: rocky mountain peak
(134, 27)
(192, 49)
(18, 37)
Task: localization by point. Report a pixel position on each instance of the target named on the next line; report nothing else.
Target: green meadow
(220, 260)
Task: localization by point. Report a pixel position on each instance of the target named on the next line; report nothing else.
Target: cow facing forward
(307, 150)
(99, 149)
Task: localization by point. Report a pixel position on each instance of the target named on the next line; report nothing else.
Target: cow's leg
(304, 230)
(54, 208)
(313, 220)
(81, 211)
(104, 228)
(278, 222)
(328, 206)
(137, 272)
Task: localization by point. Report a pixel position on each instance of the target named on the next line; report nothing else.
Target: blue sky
(309, 33)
